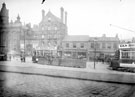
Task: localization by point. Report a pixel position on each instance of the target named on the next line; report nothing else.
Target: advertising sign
(130, 45)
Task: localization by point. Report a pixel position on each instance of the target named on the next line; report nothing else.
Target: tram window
(125, 55)
(133, 55)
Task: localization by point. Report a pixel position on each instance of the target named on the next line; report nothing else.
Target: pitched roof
(76, 38)
(53, 17)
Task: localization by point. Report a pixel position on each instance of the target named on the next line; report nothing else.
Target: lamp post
(94, 54)
(24, 45)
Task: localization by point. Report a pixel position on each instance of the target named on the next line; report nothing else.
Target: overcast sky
(85, 17)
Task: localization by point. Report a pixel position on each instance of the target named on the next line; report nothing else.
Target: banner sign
(130, 45)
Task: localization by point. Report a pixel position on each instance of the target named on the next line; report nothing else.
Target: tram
(124, 58)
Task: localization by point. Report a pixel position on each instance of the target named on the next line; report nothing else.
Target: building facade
(48, 34)
(102, 46)
(4, 22)
(15, 29)
(75, 46)
(89, 47)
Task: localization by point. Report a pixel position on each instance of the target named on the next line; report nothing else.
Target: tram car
(124, 58)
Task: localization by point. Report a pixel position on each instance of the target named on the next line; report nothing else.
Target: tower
(4, 18)
(4, 21)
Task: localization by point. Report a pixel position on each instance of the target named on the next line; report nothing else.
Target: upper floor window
(67, 45)
(109, 46)
(97, 45)
(103, 45)
(74, 45)
(115, 46)
(92, 45)
(82, 45)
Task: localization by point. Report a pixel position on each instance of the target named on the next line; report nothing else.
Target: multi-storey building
(75, 46)
(102, 45)
(51, 30)
(48, 34)
(84, 46)
(15, 29)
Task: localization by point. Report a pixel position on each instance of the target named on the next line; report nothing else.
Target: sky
(84, 17)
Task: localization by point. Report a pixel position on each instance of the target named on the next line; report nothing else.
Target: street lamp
(25, 29)
(94, 53)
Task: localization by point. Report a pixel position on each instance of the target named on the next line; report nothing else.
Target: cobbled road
(23, 85)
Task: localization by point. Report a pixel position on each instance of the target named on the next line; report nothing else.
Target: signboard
(130, 45)
(124, 46)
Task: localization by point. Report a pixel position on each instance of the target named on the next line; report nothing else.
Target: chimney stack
(62, 11)
(65, 18)
(43, 14)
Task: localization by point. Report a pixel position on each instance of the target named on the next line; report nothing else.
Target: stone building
(49, 33)
(4, 22)
(15, 29)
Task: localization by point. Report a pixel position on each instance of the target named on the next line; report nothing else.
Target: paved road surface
(46, 86)
(26, 85)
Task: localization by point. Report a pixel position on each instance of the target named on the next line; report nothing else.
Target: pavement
(100, 73)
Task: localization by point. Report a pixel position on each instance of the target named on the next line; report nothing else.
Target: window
(82, 45)
(67, 45)
(115, 46)
(92, 45)
(97, 45)
(103, 45)
(74, 45)
(109, 46)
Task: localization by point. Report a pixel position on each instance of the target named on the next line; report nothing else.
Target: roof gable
(52, 17)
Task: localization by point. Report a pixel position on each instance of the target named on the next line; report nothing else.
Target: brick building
(51, 30)
(48, 34)
(77, 46)
(102, 46)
